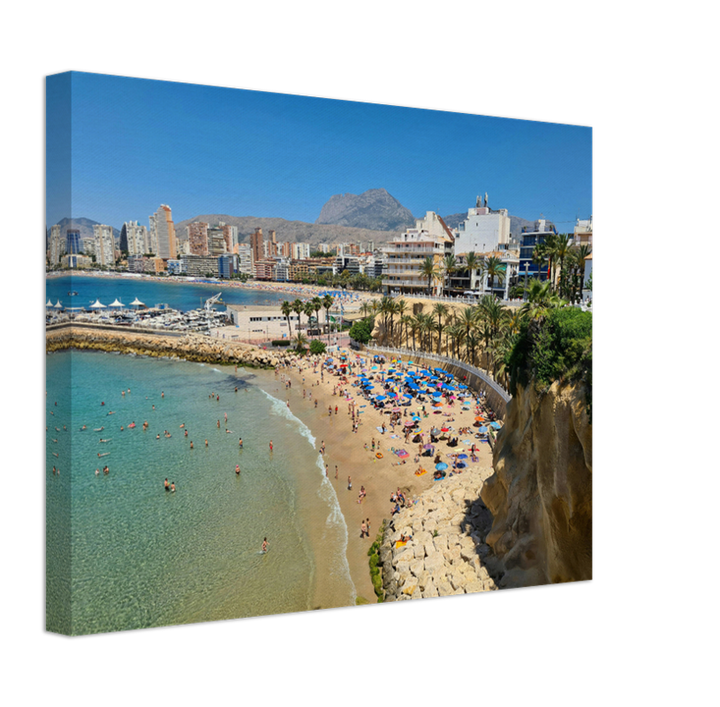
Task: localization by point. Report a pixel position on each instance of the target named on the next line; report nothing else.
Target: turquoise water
(141, 556)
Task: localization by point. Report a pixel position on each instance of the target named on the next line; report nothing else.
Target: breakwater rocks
(191, 347)
(446, 553)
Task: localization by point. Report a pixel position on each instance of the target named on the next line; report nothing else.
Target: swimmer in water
(167, 485)
(172, 487)
(271, 445)
(237, 469)
(265, 546)
(192, 446)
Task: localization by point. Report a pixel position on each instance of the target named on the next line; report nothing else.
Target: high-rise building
(256, 243)
(72, 241)
(161, 224)
(244, 252)
(231, 237)
(57, 245)
(300, 251)
(216, 240)
(104, 245)
(134, 238)
(198, 238)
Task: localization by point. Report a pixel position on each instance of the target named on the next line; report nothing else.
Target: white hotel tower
(483, 231)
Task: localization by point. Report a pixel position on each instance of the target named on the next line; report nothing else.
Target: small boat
(72, 294)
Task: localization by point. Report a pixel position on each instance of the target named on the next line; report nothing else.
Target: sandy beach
(351, 452)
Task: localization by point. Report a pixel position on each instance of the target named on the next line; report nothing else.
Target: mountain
(373, 209)
(289, 231)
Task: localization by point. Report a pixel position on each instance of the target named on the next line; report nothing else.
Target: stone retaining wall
(191, 347)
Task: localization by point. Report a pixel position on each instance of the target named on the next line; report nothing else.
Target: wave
(335, 521)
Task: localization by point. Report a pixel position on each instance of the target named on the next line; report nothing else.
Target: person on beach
(349, 484)
(336, 471)
(322, 448)
(367, 522)
(363, 529)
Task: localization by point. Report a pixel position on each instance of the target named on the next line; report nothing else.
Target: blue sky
(137, 143)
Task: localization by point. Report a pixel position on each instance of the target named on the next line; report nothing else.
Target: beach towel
(379, 429)
(400, 543)
(467, 441)
(402, 453)
(420, 472)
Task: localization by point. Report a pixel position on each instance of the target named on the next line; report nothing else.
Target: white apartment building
(403, 256)
(104, 245)
(484, 230)
(300, 251)
(57, 245)
(244, 253)
(162, 233)
(137, 237)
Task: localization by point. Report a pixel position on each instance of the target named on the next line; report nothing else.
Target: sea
(123, 553)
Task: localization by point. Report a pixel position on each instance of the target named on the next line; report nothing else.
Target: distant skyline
(137, 143)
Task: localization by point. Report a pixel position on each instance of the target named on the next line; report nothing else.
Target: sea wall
(541, 492)
(447, 553)
(192, 347)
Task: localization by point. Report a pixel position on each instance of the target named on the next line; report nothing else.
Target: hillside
(84, 225)
(290, 231)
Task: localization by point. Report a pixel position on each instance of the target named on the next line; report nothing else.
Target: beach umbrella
(480, 418)
(445, 429)
(428, 446)
(396, 410)
(462, 456)
(441, 466)
(482, 430)
(49, 303)
(58, 305)
(495, 425)
(137, 303)
(97, 305)
(437, 405)
(117, 303)
(374, 368)
(407, 395)
(379, 397)
(409, 423)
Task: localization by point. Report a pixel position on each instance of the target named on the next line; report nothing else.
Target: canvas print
(305, 353)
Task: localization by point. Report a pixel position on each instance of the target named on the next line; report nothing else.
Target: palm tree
(577, 269)
(401, 306)
(540, 299)
(429, 270)
(297, 307)
(561, 251)
(415, 328)
(309, 310)
(327, 303)
(472, 263)
(458, 335)
(317, 305)
(286, 308)
(494, 268)
(385, 308)
(405, 321)
(300, 342)
(467, 321)
(440, 310)
(494, 318)
(449, 266)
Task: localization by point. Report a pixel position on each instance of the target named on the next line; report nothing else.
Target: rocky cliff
(374, 209)
(541, 492)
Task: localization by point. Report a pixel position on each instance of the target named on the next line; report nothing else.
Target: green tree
(327, 303)
(440, 310)
(429, 270)
(286, 308)
(297, 307)
(361, 330)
